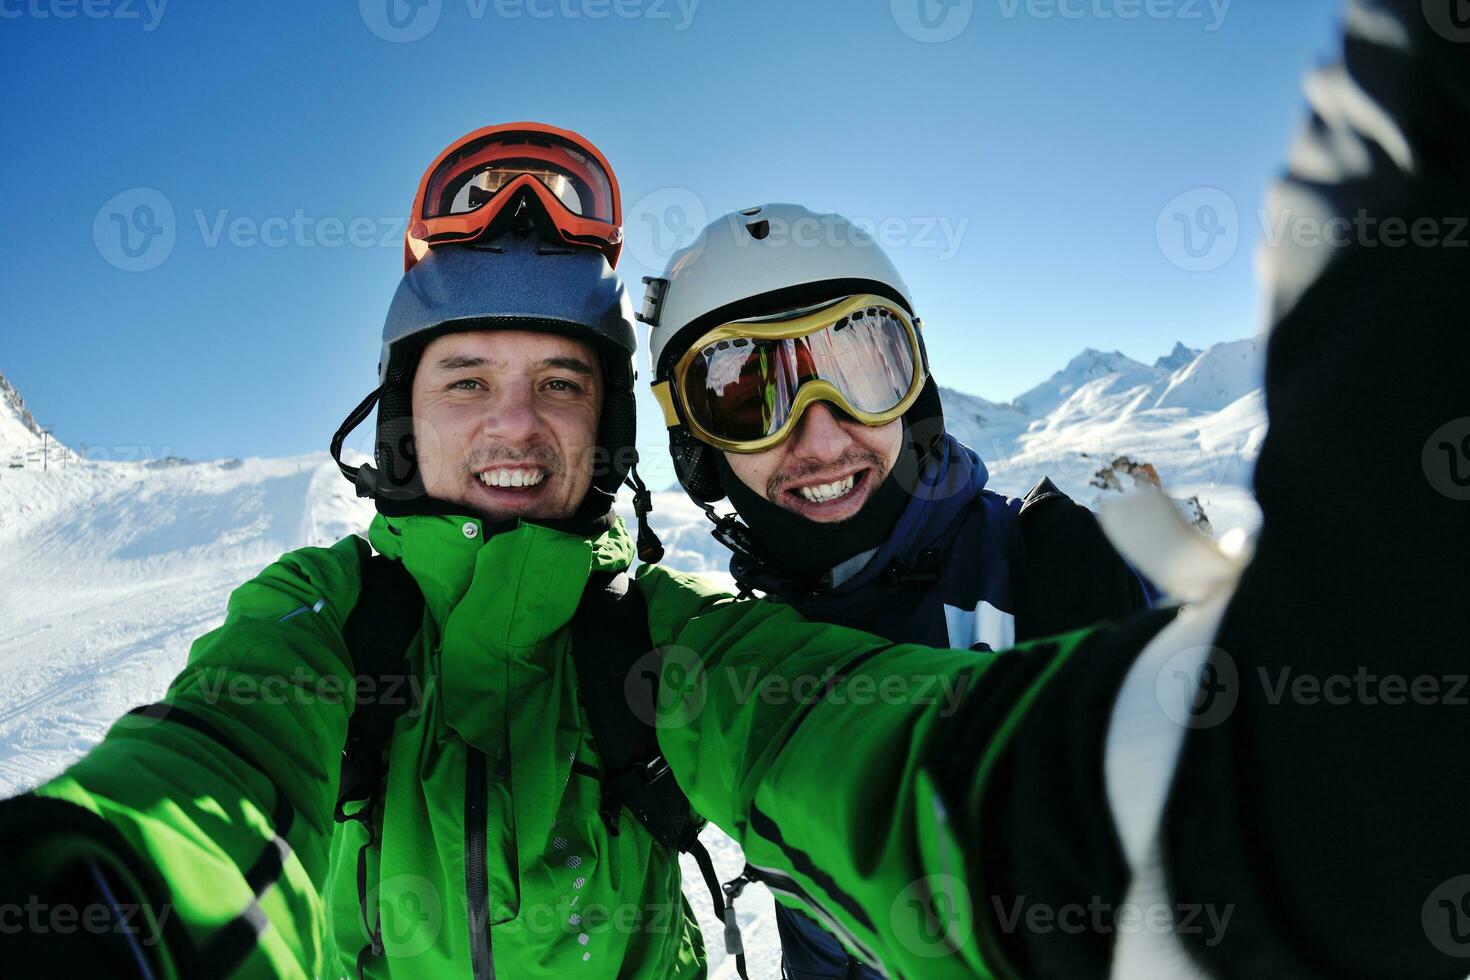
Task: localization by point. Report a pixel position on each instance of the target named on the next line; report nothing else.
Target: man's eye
(561, 384)
(468, 384)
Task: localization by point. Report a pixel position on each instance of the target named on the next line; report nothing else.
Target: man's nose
(819, 435)
(510, 415)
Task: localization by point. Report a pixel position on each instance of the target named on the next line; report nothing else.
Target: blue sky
(1036, 164)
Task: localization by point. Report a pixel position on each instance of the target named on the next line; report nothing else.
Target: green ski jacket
(218, 803)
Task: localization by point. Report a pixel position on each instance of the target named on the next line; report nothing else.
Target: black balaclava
(806, 549)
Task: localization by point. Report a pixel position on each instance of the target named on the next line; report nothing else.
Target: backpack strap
(378, 631)
(388, 615)
(609, 639)
(619, 694)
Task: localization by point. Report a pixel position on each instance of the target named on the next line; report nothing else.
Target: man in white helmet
(793, 377)
(1266, 782)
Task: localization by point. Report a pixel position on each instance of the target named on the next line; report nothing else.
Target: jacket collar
(446, 553)
(951, 478)
(497, 595)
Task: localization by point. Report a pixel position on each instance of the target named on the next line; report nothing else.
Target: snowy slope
(109, 570)
(19, 432)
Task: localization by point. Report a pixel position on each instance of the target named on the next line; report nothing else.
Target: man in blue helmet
(792, 371)
(457, 780)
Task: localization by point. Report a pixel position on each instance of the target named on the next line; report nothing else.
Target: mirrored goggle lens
(477, 191)
(742, 389)
(469, 178)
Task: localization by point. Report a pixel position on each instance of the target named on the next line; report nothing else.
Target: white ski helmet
(756, 262)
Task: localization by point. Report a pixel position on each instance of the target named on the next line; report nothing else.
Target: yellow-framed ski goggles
(743, 386)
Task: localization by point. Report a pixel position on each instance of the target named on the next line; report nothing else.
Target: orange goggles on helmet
(471, 182)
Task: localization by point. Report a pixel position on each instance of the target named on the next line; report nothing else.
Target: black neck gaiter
(806, 549)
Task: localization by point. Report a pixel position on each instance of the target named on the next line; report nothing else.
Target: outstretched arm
(198, 830)
(1329, 805)
(1284, 834)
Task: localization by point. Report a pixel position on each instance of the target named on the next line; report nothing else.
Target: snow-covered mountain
(1176, 358)
(109, 570)
(1210, 384)
(1199, 425)
(19, 432)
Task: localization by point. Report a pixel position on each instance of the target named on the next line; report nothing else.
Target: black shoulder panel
(1064, 573)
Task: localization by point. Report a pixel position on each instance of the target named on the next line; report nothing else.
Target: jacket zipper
(476, 876)
(781, 883)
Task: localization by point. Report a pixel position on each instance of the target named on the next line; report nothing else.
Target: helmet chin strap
(730, 532)
(364, 477)
(650, 548)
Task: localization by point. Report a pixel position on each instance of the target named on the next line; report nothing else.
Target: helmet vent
(752, 212)
(759, 230)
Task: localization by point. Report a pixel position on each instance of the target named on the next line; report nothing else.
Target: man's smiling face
(506, 422)
(828, 468)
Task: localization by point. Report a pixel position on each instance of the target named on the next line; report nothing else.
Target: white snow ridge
(18, 429)
(1198, 424)
(109, 570)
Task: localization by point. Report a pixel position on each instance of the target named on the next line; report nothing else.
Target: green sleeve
(224, 792)
(674, 598)
(807, 743)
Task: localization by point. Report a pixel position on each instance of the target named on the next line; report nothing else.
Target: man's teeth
(512, 478)
(823, 492)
